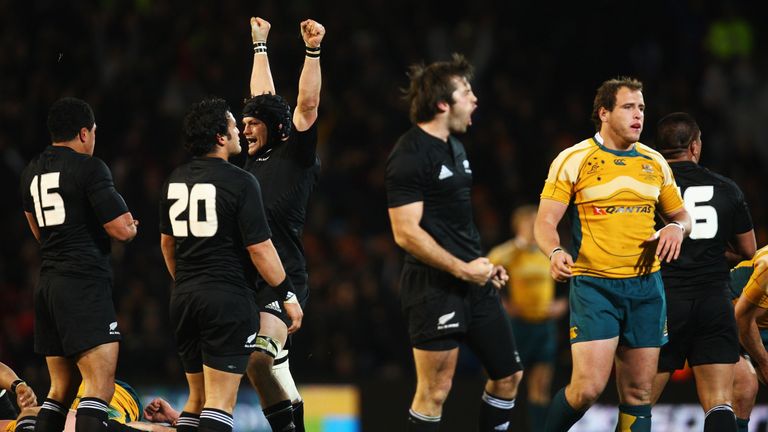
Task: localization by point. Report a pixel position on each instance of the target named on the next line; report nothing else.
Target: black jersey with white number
(718, 211)
(424, 168)
(213, 209)
(71, 195)
(288, 173)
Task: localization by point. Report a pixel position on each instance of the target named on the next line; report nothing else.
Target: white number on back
(49, 206)
(704, 217)
(204, 193)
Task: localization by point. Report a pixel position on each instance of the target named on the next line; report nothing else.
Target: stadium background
(141, 63)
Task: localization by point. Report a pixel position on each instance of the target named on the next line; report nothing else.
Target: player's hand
(477, 271)
(294, 312)
(259, 29)
(160, 411)
(560, 266)
(499, 277)
(670, 240)
(25, 396)
(312, 32)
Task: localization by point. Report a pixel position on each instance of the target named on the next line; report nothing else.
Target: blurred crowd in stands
(141, 63)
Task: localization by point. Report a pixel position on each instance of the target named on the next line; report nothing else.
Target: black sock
(52, 416)
(298, 416)
(720, 419)
(215, 420)
(91, 415)
(280, 416)
(187, 422)
(742, 425)
(422, 423)
(26, 424)
(495, 413)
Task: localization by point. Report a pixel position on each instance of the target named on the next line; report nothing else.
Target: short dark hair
(203, 122)
(433, 84)
(274, 111)
(67, 116)
(606, 96)
(675, 132)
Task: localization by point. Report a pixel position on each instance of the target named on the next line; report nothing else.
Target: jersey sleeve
(164, 207)
(563, 173)
(406, 177)
(742, 220)
(305, 147)
(670, 200)
(26, 196)
(755, 291)
(251, 216)
(100, 189)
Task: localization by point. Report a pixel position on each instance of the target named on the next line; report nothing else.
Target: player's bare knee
(506, 387)
(636, 394)
(435, 393)
(584, 395)
(259, 366)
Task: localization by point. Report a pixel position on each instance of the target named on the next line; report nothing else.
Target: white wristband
(679, 225)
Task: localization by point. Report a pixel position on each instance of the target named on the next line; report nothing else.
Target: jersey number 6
(204, 193)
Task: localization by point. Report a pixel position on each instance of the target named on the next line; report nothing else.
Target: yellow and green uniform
(750, 280)
(125, 406)
(612, 197)
(531, 292)
(531, 288)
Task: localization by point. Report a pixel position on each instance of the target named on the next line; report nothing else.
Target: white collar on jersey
(599, 139)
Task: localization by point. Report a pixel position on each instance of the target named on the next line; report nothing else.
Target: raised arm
(261, 75)
(310, 80)
(410, 236)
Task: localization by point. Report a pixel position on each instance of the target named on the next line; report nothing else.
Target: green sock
(742, 425)
(634, 418)
(561, 414)
(537, 416)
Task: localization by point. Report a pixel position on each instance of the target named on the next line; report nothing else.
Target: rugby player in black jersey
(213, 233)
(700, 317)
(282, 155)
(448, 288)
(73, 210)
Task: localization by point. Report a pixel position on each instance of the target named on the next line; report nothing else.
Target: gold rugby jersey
(124, 407)
(756, 288)
(612, 197)
(531, 289)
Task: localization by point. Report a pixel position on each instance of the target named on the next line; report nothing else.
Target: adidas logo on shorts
(275, 306)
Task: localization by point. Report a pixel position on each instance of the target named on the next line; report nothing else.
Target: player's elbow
(402, 238)
(123, 234)
(308, 103)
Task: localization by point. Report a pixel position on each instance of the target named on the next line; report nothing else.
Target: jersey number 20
(704, 217)
(191, 199)
(49, 206)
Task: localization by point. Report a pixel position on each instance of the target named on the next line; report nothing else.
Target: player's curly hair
(433, 84)
(274, 111)
(675, 132)
(67, 116)
(606, 96)
(205, 121)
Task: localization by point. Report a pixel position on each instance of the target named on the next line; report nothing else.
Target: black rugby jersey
(288, 173)
(719, 212)
(214, 211)
(424, 168)
(71, 196)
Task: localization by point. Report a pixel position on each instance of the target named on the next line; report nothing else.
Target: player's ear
(221, 140)
(603, 114)
(83, 135)
(443, 106)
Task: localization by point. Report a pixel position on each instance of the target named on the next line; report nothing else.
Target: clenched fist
(312, 32)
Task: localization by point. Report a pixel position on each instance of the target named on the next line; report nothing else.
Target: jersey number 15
(49, 206)
(191, 199)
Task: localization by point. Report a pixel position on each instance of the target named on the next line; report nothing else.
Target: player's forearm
(310, 83)
(168, 248)
(264, 257)
(749, 336)
(261, 76)
(546, 235)
(423, 246)
(123, 228)
(7, 376)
